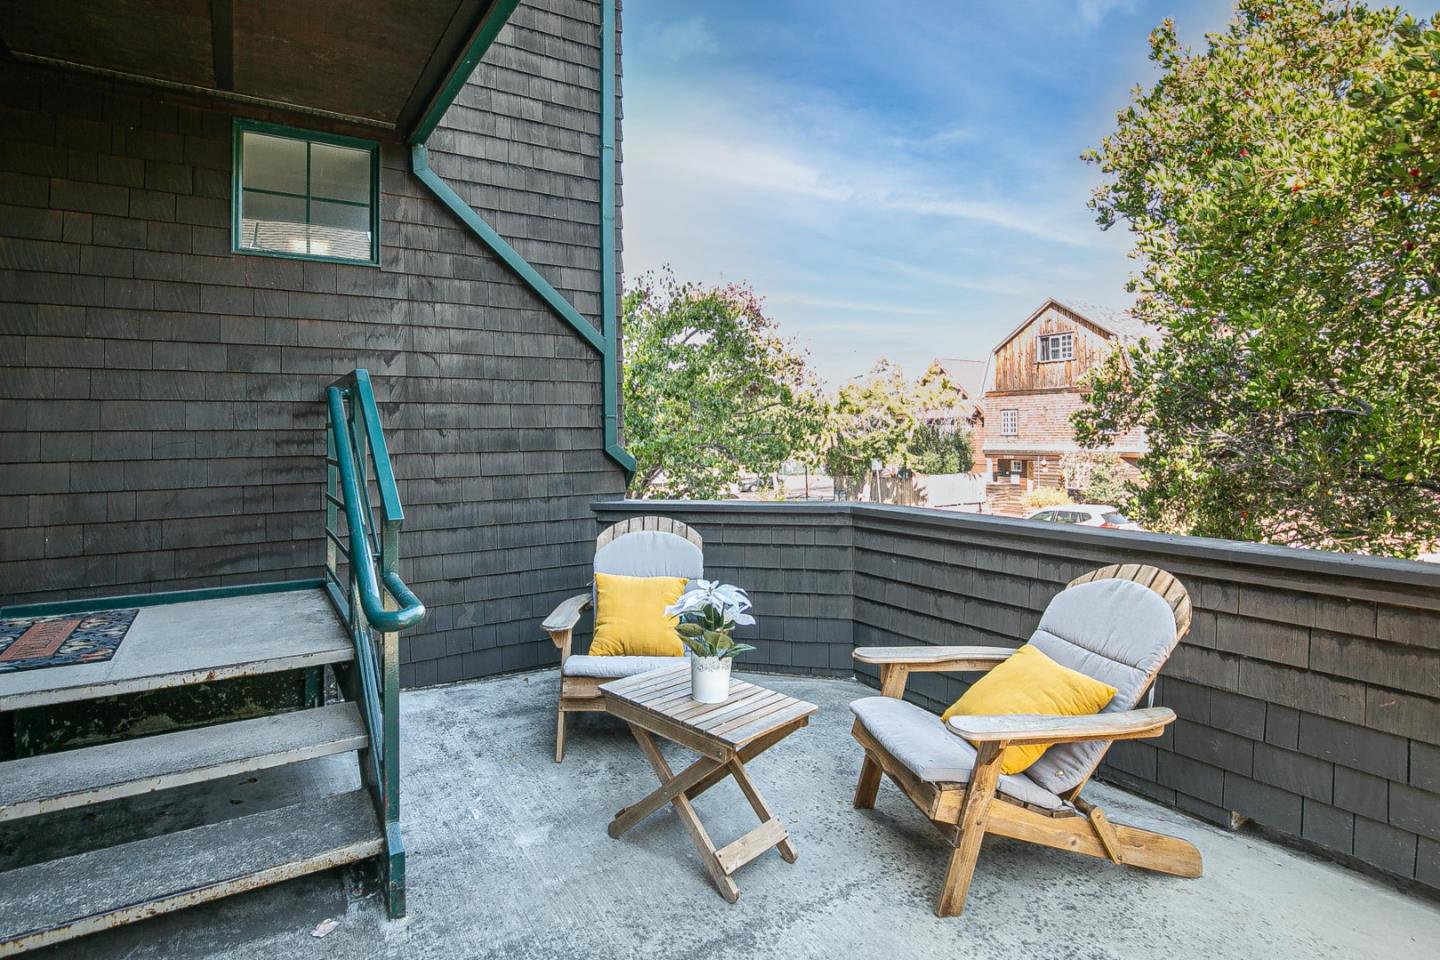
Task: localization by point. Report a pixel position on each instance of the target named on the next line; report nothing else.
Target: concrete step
(197, 641)
(76, 778)
(61, 899)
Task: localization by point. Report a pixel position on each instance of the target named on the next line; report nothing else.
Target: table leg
(747, 753)
(663, 794)
(686, 812)
(758, 804)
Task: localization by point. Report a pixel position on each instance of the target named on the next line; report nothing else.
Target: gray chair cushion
(615, 667)
(643, 553)
(916, 737)
(1115, 631)
(650, 553)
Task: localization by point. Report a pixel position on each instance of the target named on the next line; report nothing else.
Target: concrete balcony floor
(508, 857)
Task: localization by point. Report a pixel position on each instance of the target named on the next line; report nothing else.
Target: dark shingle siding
(522, 143)
(161, 425)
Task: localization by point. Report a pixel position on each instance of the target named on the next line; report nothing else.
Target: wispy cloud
(1093, 11)
(853, 306)
(690, 37)
(867, 170)
(954, 280)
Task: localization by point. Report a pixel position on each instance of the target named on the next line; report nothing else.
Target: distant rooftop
(969, 375)
(1119, 322)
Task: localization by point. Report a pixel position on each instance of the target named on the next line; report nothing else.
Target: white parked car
(1085, 515)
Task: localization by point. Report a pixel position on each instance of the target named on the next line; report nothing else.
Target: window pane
(268, 222)
(339, 173)
(305, 198)
(339, 230)
(273, 163)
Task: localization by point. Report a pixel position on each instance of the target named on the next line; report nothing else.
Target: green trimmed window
(304, 194)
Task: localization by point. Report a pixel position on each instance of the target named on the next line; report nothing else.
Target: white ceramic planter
(710, 679)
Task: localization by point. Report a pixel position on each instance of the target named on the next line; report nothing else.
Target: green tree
(884, 416)
(871, 418)
(711, 389)
(1281, 186)
(940, 449)
(1096, 477)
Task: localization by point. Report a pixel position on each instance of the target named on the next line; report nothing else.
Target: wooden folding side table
(727, 736)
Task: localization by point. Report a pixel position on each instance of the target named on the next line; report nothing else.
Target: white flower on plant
(729, 601)
(708, 613)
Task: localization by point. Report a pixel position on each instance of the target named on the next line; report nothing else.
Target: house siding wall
(1015, 363)
(161, 425)
(1044, 397)
(1304, 689)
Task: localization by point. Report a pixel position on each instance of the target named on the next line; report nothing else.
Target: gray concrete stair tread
(197, 641)
(60, 899)
(74, 778)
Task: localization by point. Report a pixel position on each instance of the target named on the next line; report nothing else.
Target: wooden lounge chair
(1117, 624)
(638, 547)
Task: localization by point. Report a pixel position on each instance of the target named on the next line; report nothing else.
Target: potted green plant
(709, 614)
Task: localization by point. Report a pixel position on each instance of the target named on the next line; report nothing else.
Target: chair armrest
(933, 659)
(1018, 729)
(564, 617)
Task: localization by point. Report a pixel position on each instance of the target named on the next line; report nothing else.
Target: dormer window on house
(1009, 423)
(1057, 346)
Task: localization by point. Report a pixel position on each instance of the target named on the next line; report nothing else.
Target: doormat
(30, 643)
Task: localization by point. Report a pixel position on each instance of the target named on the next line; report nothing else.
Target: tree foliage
(1096, 477)
(870, 419)
(939, 444)
(886, 417)
(1281, 187)
(711, 389)
(936, 448)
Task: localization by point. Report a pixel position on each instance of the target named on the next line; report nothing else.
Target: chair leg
(869, 785)
(974, 814)
(559, 734)
(956, 885)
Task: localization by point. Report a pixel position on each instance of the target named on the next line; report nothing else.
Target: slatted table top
(663, 697)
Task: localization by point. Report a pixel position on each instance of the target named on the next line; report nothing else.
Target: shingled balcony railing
(1305, 689)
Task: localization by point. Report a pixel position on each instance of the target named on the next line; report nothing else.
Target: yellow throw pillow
(1030, 682)
(630, 616)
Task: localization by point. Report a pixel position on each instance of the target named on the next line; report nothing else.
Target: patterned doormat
(30, 643)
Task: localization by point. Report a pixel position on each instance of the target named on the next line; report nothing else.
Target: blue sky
(896, 179)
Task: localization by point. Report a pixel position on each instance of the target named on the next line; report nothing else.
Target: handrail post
(394, 871)
(377, 604)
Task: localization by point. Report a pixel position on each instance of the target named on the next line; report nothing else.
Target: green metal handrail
(374, 601)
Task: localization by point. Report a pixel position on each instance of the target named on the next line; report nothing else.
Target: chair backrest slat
(660, 524)
(650, 547)
(1160, 581)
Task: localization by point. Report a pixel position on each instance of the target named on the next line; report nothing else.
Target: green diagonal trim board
(606, 340)
(485, 33)
(420, 164)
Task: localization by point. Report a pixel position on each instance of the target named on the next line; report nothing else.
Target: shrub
(1095, 477)
(1042, 497)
